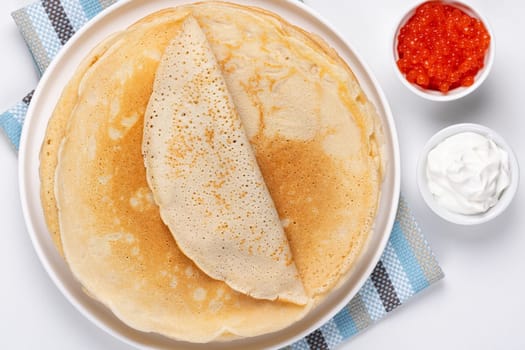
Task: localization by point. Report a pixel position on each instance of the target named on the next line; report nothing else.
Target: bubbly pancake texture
(314, 135)
(204, 176)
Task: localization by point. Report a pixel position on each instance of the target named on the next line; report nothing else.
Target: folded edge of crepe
(205, 178)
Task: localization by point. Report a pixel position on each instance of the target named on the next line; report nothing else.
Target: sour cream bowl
(505, 197)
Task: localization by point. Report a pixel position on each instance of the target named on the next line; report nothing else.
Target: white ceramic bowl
(456, 93)
(505, 198)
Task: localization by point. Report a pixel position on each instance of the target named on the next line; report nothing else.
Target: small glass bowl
(458, 92)
(507, 195)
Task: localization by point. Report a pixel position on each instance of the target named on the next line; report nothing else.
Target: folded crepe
(314, 136)
(205, 179)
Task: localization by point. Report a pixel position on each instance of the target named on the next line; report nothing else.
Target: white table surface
(481, 302)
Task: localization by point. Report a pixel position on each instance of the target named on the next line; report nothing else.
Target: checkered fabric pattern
(407, 265)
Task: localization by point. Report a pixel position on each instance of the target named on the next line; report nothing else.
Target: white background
(481, 302)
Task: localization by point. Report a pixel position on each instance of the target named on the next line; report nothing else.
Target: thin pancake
(54, 135)
(317, 151)
(314, 132)
(113, 237)
(205, 179)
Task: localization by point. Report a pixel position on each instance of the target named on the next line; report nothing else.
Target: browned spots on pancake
(123, 159)
(178, 149)
(157, 250)
(149, 247)
(143, 254)
(220, 200)
(316, 194)
(217, 184)
(153, 248)
(210, 134)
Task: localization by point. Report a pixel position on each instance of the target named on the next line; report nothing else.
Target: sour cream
(467, 173)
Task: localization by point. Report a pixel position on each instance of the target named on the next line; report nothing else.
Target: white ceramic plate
(46, 96)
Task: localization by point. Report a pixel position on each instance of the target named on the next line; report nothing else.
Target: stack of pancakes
(211, 172)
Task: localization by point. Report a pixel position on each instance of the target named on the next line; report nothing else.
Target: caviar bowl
(433, 63)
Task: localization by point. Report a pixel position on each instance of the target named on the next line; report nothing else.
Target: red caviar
(441, 47)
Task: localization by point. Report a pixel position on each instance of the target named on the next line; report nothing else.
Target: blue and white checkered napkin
(407, 265)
